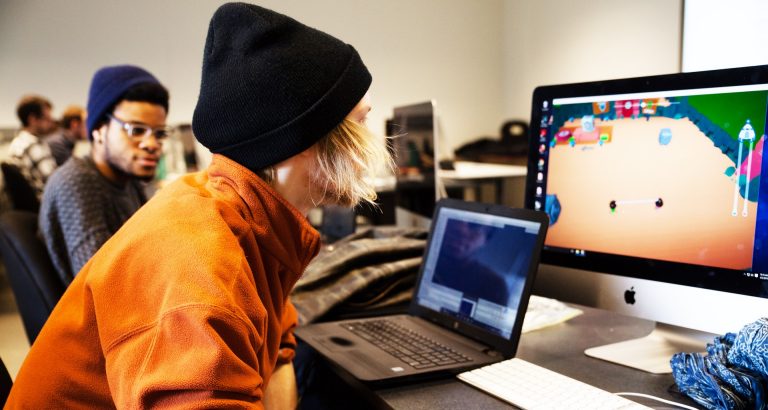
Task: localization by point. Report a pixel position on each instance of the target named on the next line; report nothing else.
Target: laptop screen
(476, 266)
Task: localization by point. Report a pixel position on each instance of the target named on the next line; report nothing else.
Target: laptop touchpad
(335, 342)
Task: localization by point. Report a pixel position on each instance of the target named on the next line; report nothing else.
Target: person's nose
(151, 144)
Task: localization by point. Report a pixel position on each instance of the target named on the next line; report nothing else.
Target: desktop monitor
(657, 204)
(413, 133)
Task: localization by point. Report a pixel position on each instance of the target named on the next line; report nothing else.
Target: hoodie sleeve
(288, 342)
(195, 356)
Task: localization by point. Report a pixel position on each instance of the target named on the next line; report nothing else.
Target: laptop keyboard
(529, 386)
(410, 347)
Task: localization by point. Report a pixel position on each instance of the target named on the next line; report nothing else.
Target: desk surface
(480, 170)
(559, 348)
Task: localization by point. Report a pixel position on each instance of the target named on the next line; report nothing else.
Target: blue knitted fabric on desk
(732, 375)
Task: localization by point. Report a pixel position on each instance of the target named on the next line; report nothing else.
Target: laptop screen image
(475, 270)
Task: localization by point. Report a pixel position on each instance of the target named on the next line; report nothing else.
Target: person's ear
(98, 134)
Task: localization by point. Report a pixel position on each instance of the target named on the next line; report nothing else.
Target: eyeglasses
(138, 132)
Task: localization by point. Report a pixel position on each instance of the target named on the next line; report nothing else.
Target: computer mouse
(341, 341)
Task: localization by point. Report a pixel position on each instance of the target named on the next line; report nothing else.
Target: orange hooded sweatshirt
(186, 306)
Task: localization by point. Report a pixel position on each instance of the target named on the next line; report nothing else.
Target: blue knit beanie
(108, 85)
(271, 86)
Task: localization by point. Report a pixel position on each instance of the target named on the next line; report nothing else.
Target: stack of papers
(543, 312)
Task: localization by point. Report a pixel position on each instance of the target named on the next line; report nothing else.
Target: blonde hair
(347, 160)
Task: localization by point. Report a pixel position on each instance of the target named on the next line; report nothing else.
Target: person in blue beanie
(88, 199)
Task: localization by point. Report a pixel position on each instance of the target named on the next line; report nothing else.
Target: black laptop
(468, 304)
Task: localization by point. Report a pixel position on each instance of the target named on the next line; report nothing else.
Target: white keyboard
(529, 386)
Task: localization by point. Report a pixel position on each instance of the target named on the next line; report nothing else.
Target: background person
(88, 199)
(71, 130)
(27, 150)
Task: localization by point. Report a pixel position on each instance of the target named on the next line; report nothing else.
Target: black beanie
(271, 86)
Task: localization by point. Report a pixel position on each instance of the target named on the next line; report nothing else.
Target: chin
(144, 176)
(144, 173)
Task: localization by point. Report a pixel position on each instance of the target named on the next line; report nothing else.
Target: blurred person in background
(71, 130)
(28, 151)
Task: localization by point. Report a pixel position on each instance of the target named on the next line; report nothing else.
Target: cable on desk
(648, 396)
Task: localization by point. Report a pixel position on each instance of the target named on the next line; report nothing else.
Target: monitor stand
(652, 352)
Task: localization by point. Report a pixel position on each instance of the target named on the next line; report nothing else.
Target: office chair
(36, 284)
(5, 383)
(19, 190)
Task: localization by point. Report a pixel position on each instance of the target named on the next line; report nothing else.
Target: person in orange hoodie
(187, 305)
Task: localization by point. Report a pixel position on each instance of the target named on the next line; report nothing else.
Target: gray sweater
(80, 210)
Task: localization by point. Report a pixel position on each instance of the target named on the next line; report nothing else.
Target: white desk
(464, 170)
(475, 173)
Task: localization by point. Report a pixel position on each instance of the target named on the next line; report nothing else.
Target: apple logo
(629, 296)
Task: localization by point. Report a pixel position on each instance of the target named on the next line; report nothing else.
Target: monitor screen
(476, 267)
(656, 182)
(413, 130)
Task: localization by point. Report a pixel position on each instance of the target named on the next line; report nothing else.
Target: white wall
(562, 41)
(479, 59)
(416, 50)
(722, 34)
